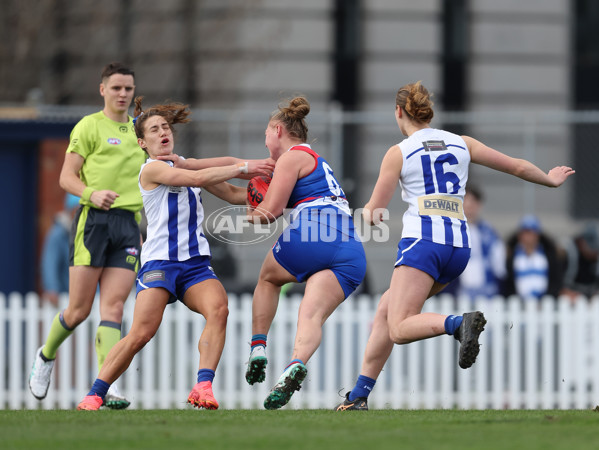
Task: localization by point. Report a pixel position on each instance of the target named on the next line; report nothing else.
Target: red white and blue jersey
(321, 234)
(433, 181)
(175, 215)
(318, 188)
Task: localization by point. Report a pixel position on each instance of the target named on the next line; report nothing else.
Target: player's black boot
(467, 333)
(358, 404)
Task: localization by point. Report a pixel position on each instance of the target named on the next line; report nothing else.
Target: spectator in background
(581, 276)
(55, 253)
(485, 272)
(533, 263)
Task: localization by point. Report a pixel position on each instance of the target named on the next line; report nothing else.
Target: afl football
(257, 188)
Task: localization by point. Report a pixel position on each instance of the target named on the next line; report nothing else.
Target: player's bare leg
(82, 289)
(208, 298)
(149, 308)
(377, 352)
(83, 283)
(264, 307)
(379, 345)
(409, 290)
(147, 316)
(322, 296)
(115, 287)
(266, 294)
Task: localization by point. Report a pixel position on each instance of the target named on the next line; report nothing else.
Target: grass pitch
(303, 429)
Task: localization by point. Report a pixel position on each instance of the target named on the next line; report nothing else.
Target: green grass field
(304, 429)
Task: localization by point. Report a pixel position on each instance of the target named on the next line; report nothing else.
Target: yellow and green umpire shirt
(112, 158)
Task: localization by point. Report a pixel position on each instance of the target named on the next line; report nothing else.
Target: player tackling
(176, 256)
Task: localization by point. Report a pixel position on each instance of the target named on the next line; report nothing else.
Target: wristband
(87, 193)
(244, 168)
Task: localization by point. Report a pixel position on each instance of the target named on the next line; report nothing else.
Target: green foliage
(302, 429)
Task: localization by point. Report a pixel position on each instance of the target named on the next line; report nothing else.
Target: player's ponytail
(172, 112)
(292, 115)
(416, 101)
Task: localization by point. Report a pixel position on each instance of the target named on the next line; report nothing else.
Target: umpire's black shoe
(359, 404)
(467, 333)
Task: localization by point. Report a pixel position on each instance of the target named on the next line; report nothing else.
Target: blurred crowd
(529, 263)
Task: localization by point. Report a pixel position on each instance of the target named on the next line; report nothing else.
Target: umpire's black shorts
(101, 238)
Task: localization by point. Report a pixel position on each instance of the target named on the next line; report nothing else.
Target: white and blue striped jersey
(433, 181)
(175, 216)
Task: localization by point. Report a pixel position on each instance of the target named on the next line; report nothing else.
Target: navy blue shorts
(174, 276)
(305, 248)
(442, 262)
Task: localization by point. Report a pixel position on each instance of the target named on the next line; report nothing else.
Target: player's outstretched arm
(226, 191)
(521, 168)
(198, 164)
(156, 173)
(255, 166)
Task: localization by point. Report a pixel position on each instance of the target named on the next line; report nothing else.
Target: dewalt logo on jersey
(444, 205)
(441, 205)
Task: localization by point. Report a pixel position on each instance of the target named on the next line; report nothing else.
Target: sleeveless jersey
(175, 215)
(112, 158)
(433, 181)
(318, 188)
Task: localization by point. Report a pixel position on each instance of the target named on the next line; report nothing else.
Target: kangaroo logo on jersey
(114, 141)
(434, 146)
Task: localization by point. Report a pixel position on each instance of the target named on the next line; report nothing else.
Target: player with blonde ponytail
(319, 246)
(431, 166)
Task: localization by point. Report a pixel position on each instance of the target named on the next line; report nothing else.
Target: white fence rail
(532, 356)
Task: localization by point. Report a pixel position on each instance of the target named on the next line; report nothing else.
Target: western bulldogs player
(319, 246)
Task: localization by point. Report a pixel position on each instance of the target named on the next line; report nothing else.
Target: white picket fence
(533, 356)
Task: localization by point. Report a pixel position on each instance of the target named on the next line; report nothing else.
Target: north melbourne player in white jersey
(176, 257)
(432, 168)
(175, 215)
(433, 181)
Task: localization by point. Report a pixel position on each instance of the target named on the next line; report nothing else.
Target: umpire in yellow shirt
(101, 166)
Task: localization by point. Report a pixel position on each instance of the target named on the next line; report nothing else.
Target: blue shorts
(338, 251)
(442, 262)
(174, 276)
